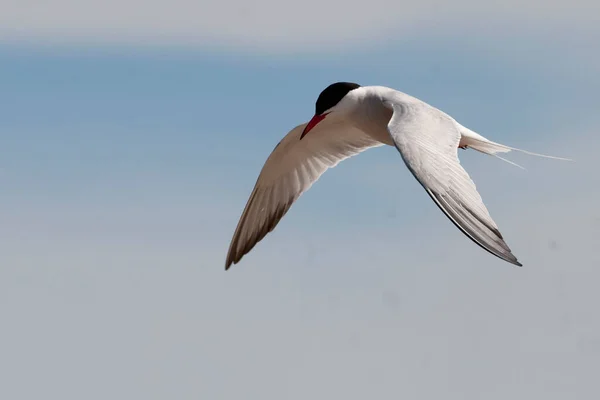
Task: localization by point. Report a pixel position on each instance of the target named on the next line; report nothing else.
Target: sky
(132, 133)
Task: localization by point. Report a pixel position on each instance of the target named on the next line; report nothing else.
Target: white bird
(349, 119)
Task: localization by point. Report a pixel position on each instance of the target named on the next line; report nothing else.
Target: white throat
(365, 109)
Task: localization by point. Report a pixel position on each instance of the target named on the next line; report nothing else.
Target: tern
(349, 119)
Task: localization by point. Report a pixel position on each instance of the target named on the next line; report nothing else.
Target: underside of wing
(487, 237)
(290, 170)
(428, 141)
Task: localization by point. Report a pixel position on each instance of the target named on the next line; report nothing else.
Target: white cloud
(270, 24)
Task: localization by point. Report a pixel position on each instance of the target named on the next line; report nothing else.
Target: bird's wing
(290, 170)
(428, 141)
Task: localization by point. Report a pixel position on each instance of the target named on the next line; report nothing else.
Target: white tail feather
(477, 142)
(508, 161)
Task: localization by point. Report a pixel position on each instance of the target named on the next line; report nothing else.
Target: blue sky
(125, 167)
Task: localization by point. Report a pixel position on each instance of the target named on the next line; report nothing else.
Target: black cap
(332, 95)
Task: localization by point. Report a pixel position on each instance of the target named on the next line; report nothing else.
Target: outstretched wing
(290, 170)
(428, 141)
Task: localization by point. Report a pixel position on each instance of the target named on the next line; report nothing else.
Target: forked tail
(477, 142)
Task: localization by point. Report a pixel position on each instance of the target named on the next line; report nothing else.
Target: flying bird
(350, 119)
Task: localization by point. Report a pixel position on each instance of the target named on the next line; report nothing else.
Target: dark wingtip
(513, 260)
(448, 211)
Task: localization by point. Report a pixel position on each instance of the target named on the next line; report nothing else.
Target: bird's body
(350, 119)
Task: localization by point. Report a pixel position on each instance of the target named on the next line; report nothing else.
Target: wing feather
(290, 170)
(428, 141)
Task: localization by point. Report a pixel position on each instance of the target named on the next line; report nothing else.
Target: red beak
(312, 123)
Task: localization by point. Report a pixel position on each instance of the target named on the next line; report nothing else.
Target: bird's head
(332, 102)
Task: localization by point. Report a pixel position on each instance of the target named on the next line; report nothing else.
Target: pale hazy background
(132, 132)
